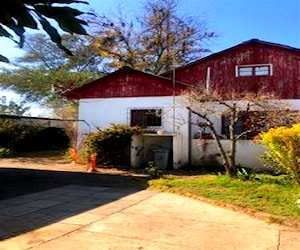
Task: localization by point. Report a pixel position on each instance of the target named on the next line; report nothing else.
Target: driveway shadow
(31, 199)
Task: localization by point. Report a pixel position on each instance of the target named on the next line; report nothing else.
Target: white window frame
(253, 66)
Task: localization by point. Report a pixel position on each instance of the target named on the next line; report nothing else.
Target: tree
(119, 42)
(42, 85)
(44, 72)
(12, 108)
(17, 15)
(170, 39)
(157, 40)
(257, 111)
(41, 52)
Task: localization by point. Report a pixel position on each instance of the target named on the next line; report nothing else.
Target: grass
(272, 195)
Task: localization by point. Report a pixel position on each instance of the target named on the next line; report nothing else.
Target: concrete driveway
(95, 217)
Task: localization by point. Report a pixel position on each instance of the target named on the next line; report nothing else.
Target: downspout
(190, 142)
(207, 82)
(173, 100)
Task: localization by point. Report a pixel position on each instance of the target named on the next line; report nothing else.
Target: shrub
(53, 138)
(245, 174)
(153, 171)
(9, 133)
(112, 145)
(283, 149)
(21, 137)
(5, 152)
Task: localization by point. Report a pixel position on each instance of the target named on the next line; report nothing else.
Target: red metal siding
(284, 82)
(129, 83)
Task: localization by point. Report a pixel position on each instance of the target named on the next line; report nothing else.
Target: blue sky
(235, 21)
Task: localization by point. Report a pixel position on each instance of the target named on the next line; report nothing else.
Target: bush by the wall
(9, 133)
(20, 137)
(112, 145)
(5, 152)
(283, 149)
(53, 138)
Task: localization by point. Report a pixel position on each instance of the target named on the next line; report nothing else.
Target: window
(145, 117)
(252, 121)
(257, 121)
(245, 71)
(262, 70)
(254, 70)
(225, 126)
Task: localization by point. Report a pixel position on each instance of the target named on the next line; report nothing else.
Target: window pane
(238, 129)
(154, 117)
(145, 117)
(262, 70)
(245, 71)
(138, 118)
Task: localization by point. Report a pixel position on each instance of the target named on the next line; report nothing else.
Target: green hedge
(22, 138)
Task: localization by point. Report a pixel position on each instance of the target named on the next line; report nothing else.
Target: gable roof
(250, 42)
(151, 85)
(129, 82)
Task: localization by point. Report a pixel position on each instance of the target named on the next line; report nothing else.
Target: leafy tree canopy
(156, 40)
(16, 15)
(13, 108)
(40, 84)
(44, 67)
(41, 52)
(45, 71)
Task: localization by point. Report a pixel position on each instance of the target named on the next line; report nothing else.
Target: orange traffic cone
(73, 155)
(93, 163)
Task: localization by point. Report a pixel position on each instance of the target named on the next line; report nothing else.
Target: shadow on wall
(247, 152)
(153, 148)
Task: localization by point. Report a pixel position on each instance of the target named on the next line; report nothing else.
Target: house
(138, 98)
(133, 97)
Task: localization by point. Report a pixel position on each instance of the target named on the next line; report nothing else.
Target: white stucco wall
(101, 112)
(247, 152)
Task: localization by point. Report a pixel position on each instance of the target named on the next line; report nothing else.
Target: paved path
(87, 217)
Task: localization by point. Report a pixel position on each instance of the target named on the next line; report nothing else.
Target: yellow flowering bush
(283, 149)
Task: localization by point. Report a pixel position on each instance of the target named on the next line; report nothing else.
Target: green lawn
(268, 194)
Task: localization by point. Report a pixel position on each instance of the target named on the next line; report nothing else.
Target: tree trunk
(225, 160)
(224, 156)
(233, 120)
(232, 167)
